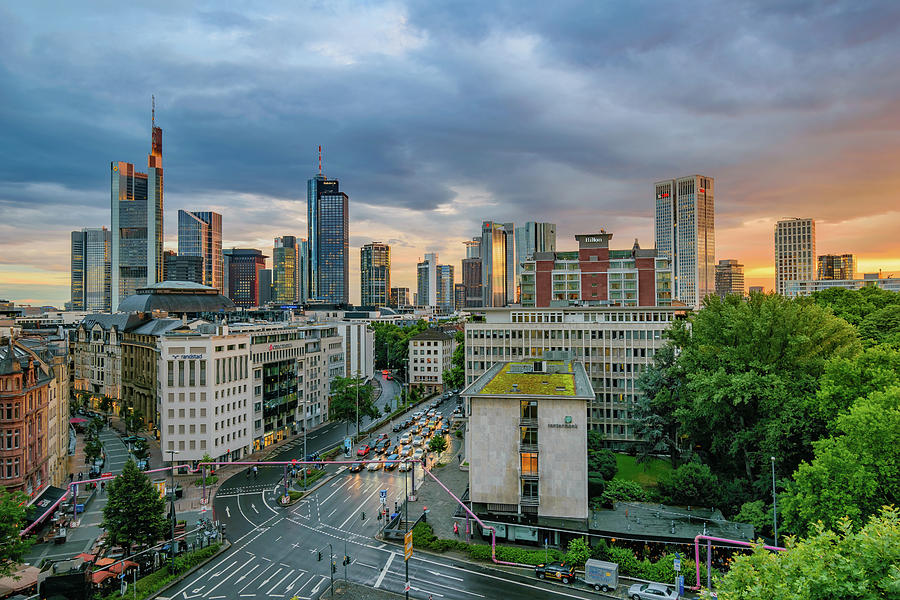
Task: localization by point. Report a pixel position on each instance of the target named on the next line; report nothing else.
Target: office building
(729, 278)
(427, 281)
(303, 271)
(329, 240)
(685, 234)
(795, 252)
(445, 293)
(471, 272)
(615, 344)
(243, 267)
(596, 275)
(91, 270)
(375, 274)
(459, 297)
(530, 238)
(137, 223)
(183, 268)
(756, 289)
(430, 354)
(792, 289)
(527, 424)
(265, 286)
(498, 263)
(358, 339)
(399, 297)
(285, 272)
(836, 266)
(200, 234)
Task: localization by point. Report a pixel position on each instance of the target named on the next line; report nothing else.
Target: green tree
(13, 546)
(437, 444)
(758, 514)
(691, 483)
(602, 463)
(106, 404)
(455, 376)
(623, 490)
(343, 400)
(846, 380)
(134, 511)
(140, 449)
(854, 473)
(596, 485)
(92, 450)
(663, 389)
(578, 551)
(882, 326)
(134, 421)
(855, 305)
(840, 563)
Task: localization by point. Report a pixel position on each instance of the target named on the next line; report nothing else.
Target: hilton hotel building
(614, 343)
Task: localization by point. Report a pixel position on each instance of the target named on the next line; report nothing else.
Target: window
(529, 463)
(530, 490)
(529, 435)
(529, 409)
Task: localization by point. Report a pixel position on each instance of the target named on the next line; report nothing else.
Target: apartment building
(430, 353)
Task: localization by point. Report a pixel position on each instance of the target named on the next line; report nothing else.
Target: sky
(435, 116)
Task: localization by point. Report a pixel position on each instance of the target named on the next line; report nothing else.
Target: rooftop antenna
(320, 159)
(152, 111)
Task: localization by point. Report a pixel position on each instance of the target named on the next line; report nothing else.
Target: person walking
(255, 472)
(455, 528)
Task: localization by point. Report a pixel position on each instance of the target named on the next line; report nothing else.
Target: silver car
(651, 591)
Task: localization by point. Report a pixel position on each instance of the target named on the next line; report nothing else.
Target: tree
(140, 449)
(437, 444)
(578, 551)
(882, 326)
(602, 463)
(663, 388)
(623, 490)
(846, 380)
(134, 511)
(343, 400)
(691, 484)
(134, 421)
(106, 404)
(12, 520)
(854, 473)
(92, 450)
(455, 376)
(596, 485)
(758, 514)
(839, 563)
(855, 305)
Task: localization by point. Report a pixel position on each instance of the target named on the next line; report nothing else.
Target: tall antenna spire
(320, 159)
(152, 110)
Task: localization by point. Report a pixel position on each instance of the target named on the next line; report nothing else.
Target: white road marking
(294, 582)
(253, 506)
(385, 570)
(269, 578)
(346, 481)
(266, 504)
(234, 572)
(426, 592)
(280, 580)
(316, 589)
(247, 574)
(443, 575)
(358, 509)
(227, 512)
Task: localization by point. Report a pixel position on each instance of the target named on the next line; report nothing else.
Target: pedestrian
(249, 470)
(455, 528)
(459, 458)
(255, 472)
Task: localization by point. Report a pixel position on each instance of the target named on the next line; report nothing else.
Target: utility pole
(406, 524)
(172, 454)
(357, 404)
(774, 503)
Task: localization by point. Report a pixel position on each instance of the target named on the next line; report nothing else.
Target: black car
(556, 570)
(356, 467)
(397, 427)
(407, 423)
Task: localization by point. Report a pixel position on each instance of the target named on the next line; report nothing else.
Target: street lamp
(774, 503)
(357, 404)
(172, 454)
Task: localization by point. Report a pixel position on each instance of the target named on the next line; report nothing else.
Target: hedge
(630, 565)
(148, 585)
(424, 538)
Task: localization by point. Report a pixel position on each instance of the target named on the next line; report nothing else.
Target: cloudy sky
(435, 116)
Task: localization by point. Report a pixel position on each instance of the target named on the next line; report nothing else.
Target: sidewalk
(441, 506)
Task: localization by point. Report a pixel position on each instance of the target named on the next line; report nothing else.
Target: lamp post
(357, 404)
(172, 454)
(774, 503)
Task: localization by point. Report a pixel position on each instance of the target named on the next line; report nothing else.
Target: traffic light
(424, 514)
(362, 516)
(346, 560)
(319, 555)
(333, 567)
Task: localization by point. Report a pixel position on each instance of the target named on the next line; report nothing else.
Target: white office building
(795, 252)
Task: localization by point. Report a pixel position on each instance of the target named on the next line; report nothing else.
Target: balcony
(529, 500)
(523, 447)
(527, 422)
(530, 475)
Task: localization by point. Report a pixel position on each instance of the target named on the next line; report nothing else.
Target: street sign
(676, 564)
(680, 583)
(407, 546)
(384, 493)
(406, 587)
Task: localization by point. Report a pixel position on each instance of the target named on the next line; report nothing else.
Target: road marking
(443, 575)
(331, 513)
(280, 580)
(247, 574)
(234, 572)
(246, 585)
(294, 582)
(358, 509)
(427, 592)
(316, 589)
(227, 512)
(346, 481)
(253, 506)
(266, 504)
(210, 598)
(385, 570)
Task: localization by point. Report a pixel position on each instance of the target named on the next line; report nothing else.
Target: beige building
(729, 278)
(795, 252)
(430, 353)
(615, 344)
(527, 440)
(97, 354)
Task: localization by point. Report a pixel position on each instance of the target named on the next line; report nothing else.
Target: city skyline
(795, 149)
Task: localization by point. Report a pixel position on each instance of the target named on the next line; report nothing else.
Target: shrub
(210, 479)
(579, 551)
(623, 490)
(691, 483)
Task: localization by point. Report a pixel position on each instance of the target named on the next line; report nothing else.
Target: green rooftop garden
(549, 384)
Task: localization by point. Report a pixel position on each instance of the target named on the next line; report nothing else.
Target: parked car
(357, 467)
(405, 466)
(651, 591)
(556, 570)
(373, 466)
(391, 463)
(364, 450)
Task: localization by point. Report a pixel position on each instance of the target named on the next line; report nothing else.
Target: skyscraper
(471, 272)
(375, 274)
(685, 233)
(182, 268)
(200, 234)
(530, 238)
(244, 265)
(91, 266)
(427, 281)
(303, 271)
(795, 252)
(285, 274)
(265, 286)
(836, 267)
(445, 293)
(729, 278)
(136, 203)
(329, 240)
(498, 269)
(399, 297)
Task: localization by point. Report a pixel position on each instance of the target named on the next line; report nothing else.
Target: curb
(225, 547)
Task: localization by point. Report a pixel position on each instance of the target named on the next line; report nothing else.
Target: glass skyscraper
(498, 257)
(136, 203)
(329, 241)
(91, 267)
(200, 234)
(285, 273)
(375, 274)
(685, 234)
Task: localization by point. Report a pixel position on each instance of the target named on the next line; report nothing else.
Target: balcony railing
(529, 500)
(523, 447)
(527, 422)
(530, 475)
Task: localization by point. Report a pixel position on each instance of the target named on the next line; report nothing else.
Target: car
(651, 591)
(405, 438)
(133, 439)
(389, 377)
(406, 451)
(397, 427)
(363, 450)
(418, 414)
(357, 466)
(430, 414)
(445, 429)
(373, 466)
(312, 457)
(556, 570)
(143, 464)
(405, 466)
(418, 440)
(383, 436)
(419, 454)
(383, 446)
(391, 462)
(407, 423)
(457, 414)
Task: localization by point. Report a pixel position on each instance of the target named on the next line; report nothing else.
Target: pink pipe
(716, 539)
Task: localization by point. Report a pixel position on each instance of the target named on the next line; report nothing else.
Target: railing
(523, 447)
(529, 501)
(527, 422)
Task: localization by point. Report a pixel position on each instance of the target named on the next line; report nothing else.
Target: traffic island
(353, 591)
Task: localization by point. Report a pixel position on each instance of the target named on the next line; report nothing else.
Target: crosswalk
(244, 489)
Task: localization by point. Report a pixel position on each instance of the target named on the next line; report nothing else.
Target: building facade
(756, 289)
(459, 297)
(359, 348)
(400, 297)
(793, 289)
(329, 240)
(375, 274)
(285, 271)
(430, 354)
(795, 252)
(446, 297)
(836, 266)
(596, 275)
(97, 355)
(265, 286)
(183, 268)
(685, 233)
(200, 234)
(471, 272)
(498, 264)
(729, 278)
(427, 281)
(244, 266)
(530, 238)
(137, 223)
(527, 425)
(91, 283)
(615, 344)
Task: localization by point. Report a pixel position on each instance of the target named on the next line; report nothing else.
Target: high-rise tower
(329, 239)
(375, 274)
(498, 257)
(285, 274)
(91, 265)
(200, 234)
(685, 233)
(795, 253)
(136, 203)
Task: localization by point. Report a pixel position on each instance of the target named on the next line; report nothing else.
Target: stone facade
(430, 354)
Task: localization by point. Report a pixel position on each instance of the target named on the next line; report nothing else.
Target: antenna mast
(152, 110)
(320, 159)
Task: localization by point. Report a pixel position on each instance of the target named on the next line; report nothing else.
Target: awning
(101, 576)
(40, 508)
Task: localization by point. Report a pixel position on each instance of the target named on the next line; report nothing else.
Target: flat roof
(554, 379)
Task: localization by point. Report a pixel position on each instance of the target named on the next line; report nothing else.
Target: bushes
(210, 479)
(146, 586)
(623, 490)
(579, 551)
(691, 483)
(424, 538)
(661, 570)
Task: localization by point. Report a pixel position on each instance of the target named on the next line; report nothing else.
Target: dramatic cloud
(435, 116)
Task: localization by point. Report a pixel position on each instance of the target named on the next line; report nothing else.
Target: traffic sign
(407, 546)
(406, 587)
(383, 494)
(676, 564)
